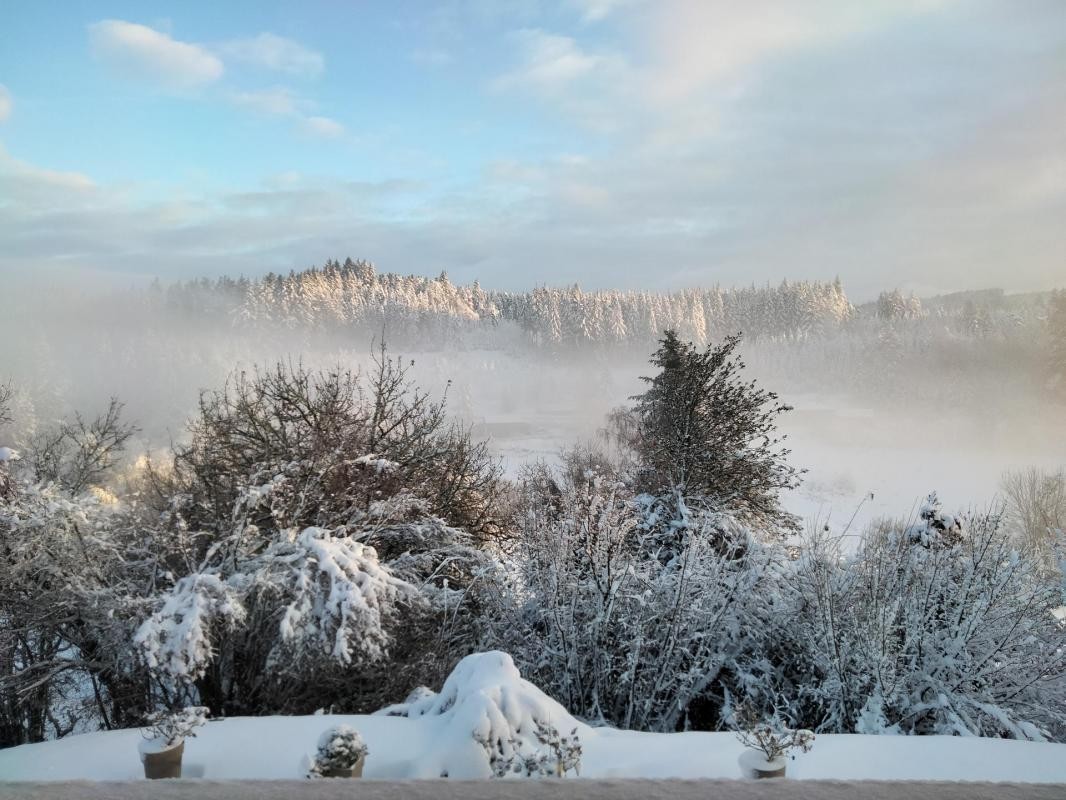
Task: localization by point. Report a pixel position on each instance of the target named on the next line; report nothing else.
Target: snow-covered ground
(485, 695)
(849, 450)
(852, 452)
(278, 747)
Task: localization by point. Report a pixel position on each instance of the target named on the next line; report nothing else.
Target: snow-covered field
(486, 695)
(850, 451)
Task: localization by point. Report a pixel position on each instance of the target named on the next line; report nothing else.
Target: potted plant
(164, 740)
(341, 754)
(769, 745)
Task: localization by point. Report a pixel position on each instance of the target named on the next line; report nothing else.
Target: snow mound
(8, 454)
(484, 704)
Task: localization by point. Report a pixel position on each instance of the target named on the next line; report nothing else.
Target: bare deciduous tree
(77, 454)
(1035, 511)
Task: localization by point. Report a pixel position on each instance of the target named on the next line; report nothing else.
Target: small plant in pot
(770, 744)
(341, 754)
(164, 740)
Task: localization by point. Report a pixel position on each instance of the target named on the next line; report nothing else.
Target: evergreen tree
(701, 432)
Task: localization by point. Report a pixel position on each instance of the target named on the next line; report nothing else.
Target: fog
(875, 434)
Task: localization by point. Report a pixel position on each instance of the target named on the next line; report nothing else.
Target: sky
(654, 144)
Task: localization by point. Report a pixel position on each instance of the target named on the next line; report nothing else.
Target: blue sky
(629, 143)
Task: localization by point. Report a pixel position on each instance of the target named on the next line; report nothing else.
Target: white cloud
(596, 10)
(696, 43)
(274, 52)
(324, 127)
(549, 62)
(141, 51)
(6, 103)
(31, 190)
(277, 100)
(283, 102)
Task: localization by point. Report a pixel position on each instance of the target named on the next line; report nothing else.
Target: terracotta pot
(772, 770)
(355, 771)
(166, 764)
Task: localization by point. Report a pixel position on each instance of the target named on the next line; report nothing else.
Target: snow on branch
(179, 639)
(320, 593)
(337, 594)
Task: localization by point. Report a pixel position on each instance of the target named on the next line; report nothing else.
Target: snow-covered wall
(532, 790)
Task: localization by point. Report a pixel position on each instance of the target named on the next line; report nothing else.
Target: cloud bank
(910, 143)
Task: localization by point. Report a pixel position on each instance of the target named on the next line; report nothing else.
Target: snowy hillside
(485, 699)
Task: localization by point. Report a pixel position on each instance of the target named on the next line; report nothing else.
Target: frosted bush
(319, 595)
(490, 721)
(556, 756)
(336, 592)
(339, 749)
(179, 639)
(771, 737)
(166, 729)
(941, 627)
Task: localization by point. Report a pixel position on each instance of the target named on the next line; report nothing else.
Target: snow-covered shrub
(487, 717)
(166, 729)
(8, 454)
(596, 619)
(934, 628)
(556, 756)
(339, 749)
(179, 639)
(309, 597)
(302, 449)
(770, 736)
(333, 509)
(71, 588)
(337, 596)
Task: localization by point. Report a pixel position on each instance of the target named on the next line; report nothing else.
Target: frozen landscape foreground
(532, 790)
(272, 748)
(485, 700)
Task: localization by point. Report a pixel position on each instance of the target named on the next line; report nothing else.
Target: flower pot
(163, 763)
(755, 765)
(354, 771)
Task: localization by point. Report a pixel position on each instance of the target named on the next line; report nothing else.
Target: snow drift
(485, 706)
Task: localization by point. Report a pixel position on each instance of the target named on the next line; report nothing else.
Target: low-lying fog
(529, 406)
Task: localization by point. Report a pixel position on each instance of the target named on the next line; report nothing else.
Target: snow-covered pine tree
(704, 436)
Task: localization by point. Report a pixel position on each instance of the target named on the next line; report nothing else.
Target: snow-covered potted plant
(341, 754)
(769, 745)
(164, 740)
